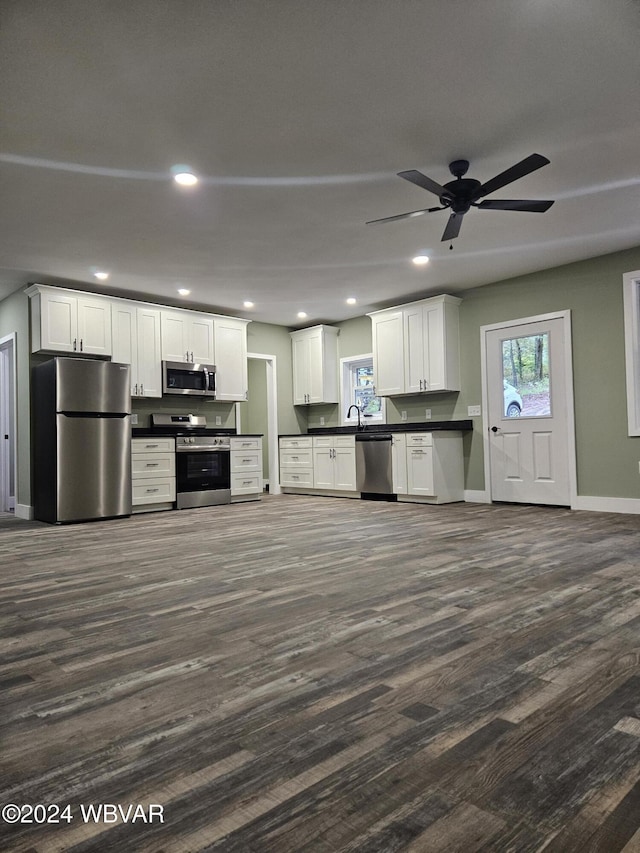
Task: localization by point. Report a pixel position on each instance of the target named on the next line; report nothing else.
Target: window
(358, 388)
(631, 285)
(525, 375)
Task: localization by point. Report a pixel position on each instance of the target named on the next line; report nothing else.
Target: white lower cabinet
(246, 468)
(296, 462)
(434, 468)
(334, 462)
(153, 474)
(399, 463)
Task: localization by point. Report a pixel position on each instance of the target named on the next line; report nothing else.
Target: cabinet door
(315, 370)
(344, 463)
(173, 328)
(388, 355)
(124, 338)
(58, 322)
(399, 464)
(420, 470)
(434, 347)
(200, 339)
(94, 326)
(300, 355)
(230, 338)
(323, 468)
(149, 357)
(415, 346)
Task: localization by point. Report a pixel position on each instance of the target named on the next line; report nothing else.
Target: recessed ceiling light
(351, 300)
(183, 291)
(421, 260)
(184, 176)
(101, 275)
(247, 303)
(301, 315)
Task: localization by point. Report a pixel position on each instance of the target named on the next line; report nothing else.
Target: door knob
(494, 429)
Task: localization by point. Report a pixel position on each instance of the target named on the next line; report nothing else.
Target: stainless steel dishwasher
(374, 478)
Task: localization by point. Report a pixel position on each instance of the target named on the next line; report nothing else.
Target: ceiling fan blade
(403, 215)
(528, 206)
(524, 167)
(453, 227)
(426, 183)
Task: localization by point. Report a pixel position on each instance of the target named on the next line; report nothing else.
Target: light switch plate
(427, 414)
(474, 411)
(403, 415)
(218, 420)
(134, 420)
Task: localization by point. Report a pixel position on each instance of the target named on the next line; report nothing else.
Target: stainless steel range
(203, 460)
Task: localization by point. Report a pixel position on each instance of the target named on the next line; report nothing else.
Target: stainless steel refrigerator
(82, 440)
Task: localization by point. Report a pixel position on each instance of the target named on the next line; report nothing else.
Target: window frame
(346, 366)
(631, 298)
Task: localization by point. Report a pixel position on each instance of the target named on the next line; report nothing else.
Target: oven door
(203, 478)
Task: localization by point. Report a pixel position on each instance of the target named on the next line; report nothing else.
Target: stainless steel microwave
(180, 377)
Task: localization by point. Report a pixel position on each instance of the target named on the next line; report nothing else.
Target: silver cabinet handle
(153, 490)
(135, 390)
(186, 355)
(191, 358)
(74, 344)
(421, 384)
(152, 464)
(141, 390)
(80, 344)
(152, 445)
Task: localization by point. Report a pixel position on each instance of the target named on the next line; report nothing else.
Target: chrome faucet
(357, 408)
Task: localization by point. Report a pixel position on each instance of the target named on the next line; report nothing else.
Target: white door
(324, 473)
(529, 411)
(7, 424)
(231, 359)
(300, 349)
(200, 340)
(388, 353)
(94, 326)
(149, 360)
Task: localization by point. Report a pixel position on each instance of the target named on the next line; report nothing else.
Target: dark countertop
(145, 432)
(425, 426)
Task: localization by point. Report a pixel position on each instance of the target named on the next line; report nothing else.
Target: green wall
(607, 458)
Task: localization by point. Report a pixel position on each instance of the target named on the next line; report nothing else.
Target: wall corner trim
(477, 496)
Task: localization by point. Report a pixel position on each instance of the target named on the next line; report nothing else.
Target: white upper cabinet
(136, 341)
(315, 365)
(69, 321)
(230, 338)
(387, 347)
(187, 336)
(416, 347)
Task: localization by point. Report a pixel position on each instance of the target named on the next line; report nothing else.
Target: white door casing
(530, 459)
(8, 415)
(272, 419)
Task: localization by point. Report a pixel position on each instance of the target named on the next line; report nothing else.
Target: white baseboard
(629, 506)
(477, 496)
(24, 511)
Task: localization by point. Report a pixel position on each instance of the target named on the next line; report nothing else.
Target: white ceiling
(297, 117)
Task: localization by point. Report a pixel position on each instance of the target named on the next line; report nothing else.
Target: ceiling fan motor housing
(464, 191)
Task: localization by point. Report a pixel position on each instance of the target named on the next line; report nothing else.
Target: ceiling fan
(461, 195)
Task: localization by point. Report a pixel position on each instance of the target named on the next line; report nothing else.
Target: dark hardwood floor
(317, 674)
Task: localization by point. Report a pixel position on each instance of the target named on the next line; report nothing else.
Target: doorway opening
(260, 414)
(8, 431)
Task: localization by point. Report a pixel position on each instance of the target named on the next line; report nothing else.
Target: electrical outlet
(218, 420)
(134, 420)
(403, 415)
(321, 421)
(474, 411)
(427, 414)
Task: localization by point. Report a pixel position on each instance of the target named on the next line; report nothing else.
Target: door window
(525, 376)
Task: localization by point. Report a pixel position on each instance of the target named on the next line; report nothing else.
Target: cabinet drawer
(245, 444)
(160, 490)
(249, 460)
(323, 441)
(246, 484)
(296, 443)
(294, 477)
(296, 458)
(153, 465)
(153, 445)
(344, 441)
(419, 439)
